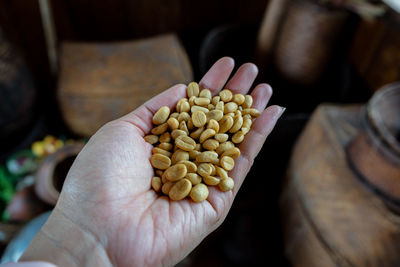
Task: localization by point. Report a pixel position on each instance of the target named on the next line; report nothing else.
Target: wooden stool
(100, 82)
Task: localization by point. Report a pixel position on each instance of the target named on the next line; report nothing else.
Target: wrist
(64, 243)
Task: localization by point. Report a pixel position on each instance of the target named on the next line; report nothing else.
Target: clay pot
(51, 173)
(375, 152)
(307, 40)
(25, 205)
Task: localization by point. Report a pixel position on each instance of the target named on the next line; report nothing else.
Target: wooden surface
(100, 82)
(340, 221)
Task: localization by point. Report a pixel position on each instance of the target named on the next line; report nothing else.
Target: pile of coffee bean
(195, 146)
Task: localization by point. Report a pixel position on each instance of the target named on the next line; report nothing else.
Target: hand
(107, 213)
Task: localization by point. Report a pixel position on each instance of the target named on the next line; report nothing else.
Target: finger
(261, 95)
(217, 75)
(253, 143)
(243, 79)
(141, 117)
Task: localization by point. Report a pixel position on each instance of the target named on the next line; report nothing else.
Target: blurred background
(324, 190)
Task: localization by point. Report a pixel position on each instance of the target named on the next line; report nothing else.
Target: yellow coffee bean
(221, 172)
(225, 124)
(183, 116)
(238, 137)
(190, 166)
(252, 111)
(199, 118)
(173, 123)
(159, 173)
(151, 138)
(193, 89)
(205, 93)
(248, 101)
(213, 124)
(190, 125)
(196, 134)
(214, 170)
(226, 184)
(233, 152)
(180, 190)
(185, 143)
(164, 179)
(174, 115)
(202, 101)
(208, 133)
(230, 107)
(179, 104)
(176, 172)
(210, 144)
(198, 147)
(156, 183)
(184, 106)
(158, 150)
(245, 130)
(237, 123)
(226, 95)
(183, 127)
(220, 137)
(160, 129)
(199, 193)
(211, 180)
(214, 115)
(167, 187)
(177, 132)
(165, 137)
(160, 161)
(179, 155)
(161, 115)
(220, 106)
(247, 122)
(193, 154)
(207, 156)
(226, 162)
(224, 146)
(204, 169)
(198, 108)
(215, 100)
(238, 99)
(194, 178)
(191, 101)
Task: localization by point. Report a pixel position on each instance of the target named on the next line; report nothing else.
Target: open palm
(107, 194)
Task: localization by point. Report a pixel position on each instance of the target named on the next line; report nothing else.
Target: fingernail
(282, 110)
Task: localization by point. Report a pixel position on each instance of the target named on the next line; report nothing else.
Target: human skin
(107, 213)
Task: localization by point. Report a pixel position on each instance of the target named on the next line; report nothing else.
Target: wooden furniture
(100, 82)
(331, 216)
